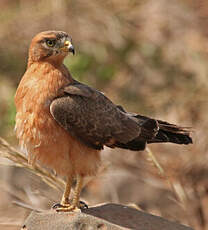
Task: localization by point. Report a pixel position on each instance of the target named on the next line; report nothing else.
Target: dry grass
(19, 160)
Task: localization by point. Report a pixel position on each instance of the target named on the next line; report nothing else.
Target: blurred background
(151, 57)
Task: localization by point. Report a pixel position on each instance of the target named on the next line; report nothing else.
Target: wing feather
(92, 118)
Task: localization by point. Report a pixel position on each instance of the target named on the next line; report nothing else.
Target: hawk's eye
(50, 43)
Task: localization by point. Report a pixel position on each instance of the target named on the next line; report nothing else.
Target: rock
(103, 217)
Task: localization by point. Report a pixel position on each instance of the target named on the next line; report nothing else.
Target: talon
(82, 205)
(55, 206)
(58, 205)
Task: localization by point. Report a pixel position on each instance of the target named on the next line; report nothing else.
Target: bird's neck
(50, 70)
(57, 63)
(42, 82)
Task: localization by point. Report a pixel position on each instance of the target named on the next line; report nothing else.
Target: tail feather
(155, 131)
(169, 132)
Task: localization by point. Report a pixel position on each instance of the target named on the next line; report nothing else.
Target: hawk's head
(50, 46)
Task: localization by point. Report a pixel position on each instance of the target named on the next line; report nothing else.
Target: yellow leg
(65, 197)
(77, 191)
(75, 200)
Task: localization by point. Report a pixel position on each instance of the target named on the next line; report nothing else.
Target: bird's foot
(66, 207)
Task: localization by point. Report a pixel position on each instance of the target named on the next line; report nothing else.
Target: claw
(82, 205)
(67, 207)
(57, 206)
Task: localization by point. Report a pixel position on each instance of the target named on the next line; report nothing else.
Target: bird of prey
(64, 124)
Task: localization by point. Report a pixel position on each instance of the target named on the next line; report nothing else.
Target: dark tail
(157, 131)
(169, 132)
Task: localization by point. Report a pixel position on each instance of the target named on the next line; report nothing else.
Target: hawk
(64, 124)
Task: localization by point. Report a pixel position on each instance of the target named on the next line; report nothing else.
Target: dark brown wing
(92, 118)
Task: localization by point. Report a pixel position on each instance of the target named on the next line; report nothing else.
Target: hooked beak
(69, 47)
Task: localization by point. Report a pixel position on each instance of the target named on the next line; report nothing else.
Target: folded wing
(92, 118)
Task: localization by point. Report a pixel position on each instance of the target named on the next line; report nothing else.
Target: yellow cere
(67, 43)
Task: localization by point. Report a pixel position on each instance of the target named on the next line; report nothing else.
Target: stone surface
(103, 217)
